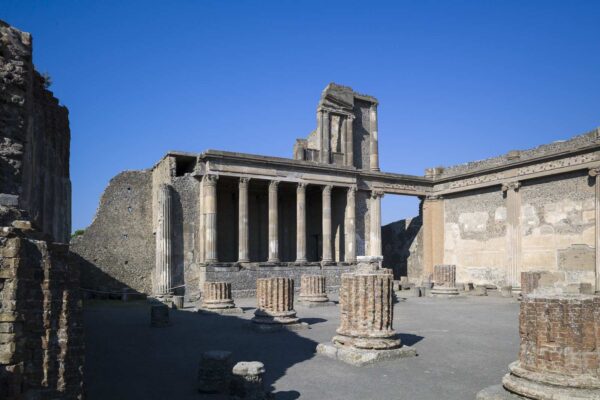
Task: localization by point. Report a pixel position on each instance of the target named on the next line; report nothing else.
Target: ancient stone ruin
(366, 334)
(313, 291)
(275, 297)
(216, 298)
(558, 355)
(41, 331)
(444, 278)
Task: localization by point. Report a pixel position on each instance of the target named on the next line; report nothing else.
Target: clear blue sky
(457, 81)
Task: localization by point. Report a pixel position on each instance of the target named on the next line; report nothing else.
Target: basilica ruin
(222, 216)
(300, 242)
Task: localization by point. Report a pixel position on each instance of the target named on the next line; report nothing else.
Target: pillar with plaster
(327, 248)
(243, 233)
(301, 223)
(210, 218)
(273, 223)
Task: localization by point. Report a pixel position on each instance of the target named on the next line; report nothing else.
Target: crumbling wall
(117, 249)
(41, 335)
(34, 154)
(402, 245)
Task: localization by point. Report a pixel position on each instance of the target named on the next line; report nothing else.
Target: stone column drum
(367, 311)
(313, 290)
(559, 355)
(217, 296)
(444, 277)
(365, 334)
(275, 298)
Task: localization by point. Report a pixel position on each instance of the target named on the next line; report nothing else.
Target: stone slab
(497, 392)
(220, 311)
(360, 357)
(314, 304)
(278, 327)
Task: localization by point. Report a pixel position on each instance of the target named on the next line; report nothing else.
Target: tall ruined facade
(41, 333)
(238, 217)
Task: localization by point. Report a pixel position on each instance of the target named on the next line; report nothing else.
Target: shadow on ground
(162, 363)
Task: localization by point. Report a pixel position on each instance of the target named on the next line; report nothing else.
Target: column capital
(244, 181)
(594, 172)
(377, 193)
(273, 185)
(301, 186)
(327, 189)
(210, 179)
(352, 191)
(433, 197)
(373, 107)
(511, 186)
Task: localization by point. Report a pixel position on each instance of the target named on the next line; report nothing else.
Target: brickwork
(313, 289)
(367, 311)
(444, 275)
(275, 297)
(217, 295)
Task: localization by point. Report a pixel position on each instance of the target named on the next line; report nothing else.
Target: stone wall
(475, 235)
(117, 249)
(402, 245)
(34, 154)
(41, 332)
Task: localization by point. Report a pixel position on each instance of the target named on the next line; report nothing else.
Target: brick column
(301, 223)
(350, 225)
(513, 234)
(273, 223)
(210, 218)
(243, 221)
(375, 219)
(327, 246)
(275, 298)
(162, 273)
(432, 209)
(374, 142)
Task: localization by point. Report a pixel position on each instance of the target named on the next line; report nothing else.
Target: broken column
(247, 381)
(313, 291)
(162, 273)
(216, 298)
(444, 278)
(275, 298)
(366, 334)
(558, 357)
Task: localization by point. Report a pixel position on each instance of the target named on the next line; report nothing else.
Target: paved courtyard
(463, 344)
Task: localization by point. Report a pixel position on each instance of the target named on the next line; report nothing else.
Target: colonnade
(208, 222)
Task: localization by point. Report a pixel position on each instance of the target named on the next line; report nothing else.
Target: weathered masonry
(222, 216)
(238, 217)
(41, 332)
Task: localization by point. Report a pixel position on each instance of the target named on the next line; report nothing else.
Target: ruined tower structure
(232, 217)
(41, 333)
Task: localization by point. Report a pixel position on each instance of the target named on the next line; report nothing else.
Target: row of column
(208, 224)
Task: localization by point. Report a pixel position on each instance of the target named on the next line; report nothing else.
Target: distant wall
(402, 246)
(117, 249)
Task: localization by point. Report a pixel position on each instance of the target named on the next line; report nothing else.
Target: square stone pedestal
(361, 357)
(497, 392)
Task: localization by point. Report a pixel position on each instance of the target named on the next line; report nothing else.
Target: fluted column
(275, 297)
(327, 253)
(217, 295)
(374, 142)
(350, 225)
(313, 289)
(301, 223)
(349, 141)
(513, 232)
(163, 241)
(210, 218)
(273, 223)
(325, 144)
(367, 311)
(201, 230)
(375, 218)
(243, 221)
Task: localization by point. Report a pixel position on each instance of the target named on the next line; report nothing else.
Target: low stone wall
(244, 279)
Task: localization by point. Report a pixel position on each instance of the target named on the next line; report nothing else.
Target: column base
(368, 343)
(497, 392)
(361, 357)
(220, 311)
(442, 291)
